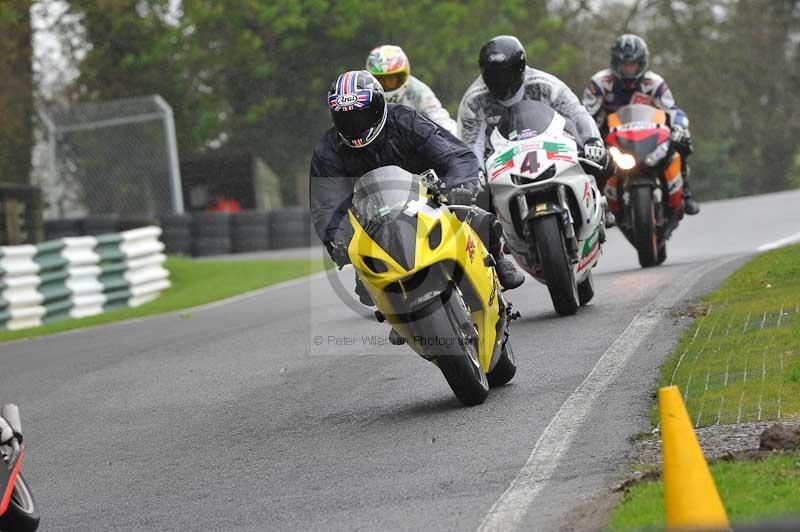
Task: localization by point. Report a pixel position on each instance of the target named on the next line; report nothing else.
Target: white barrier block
(149, 232)
(19, 298)
(87, 305)
(141, 248)
(22, 318)
(144, 262)
(18, 260)
(79, 251)
(23, 282)
(27, 323)
(150, 288)
(145, 275)
(25, 250)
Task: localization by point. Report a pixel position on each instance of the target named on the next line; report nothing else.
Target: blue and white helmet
(358, 107)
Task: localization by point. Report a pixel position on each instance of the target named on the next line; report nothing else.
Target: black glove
(338, 253)
(595, 151)
(461, 194)
(682, 139)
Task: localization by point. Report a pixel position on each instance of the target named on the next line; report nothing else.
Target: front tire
(557, 267)
(22, 514)
(586, 289)
(460, 364)
(662, 253)
(506, 367)
(645, 230)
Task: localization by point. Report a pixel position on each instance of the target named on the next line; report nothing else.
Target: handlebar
(590, 163)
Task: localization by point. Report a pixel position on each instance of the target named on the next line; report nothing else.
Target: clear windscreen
(525, 119)
(381, 195)
(637, 113)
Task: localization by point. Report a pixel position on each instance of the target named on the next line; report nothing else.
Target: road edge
(172, 313)
(510, 509)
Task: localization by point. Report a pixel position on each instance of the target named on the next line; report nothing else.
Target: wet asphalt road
(233, 418)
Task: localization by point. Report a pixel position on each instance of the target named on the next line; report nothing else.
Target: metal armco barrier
(75, 277)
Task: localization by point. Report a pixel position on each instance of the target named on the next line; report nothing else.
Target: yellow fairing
(457, 240)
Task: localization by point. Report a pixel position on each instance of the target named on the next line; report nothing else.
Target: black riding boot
(507, 273)
(490, 232)
(363, 295)
(690, 206)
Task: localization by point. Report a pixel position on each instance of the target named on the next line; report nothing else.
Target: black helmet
(502, 62)
(358, 107)
(629, 49)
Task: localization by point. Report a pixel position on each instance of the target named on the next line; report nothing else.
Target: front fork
(546, 208)
(658, 196)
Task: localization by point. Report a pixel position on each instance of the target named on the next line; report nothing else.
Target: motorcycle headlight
(624, 161)
(657, 154)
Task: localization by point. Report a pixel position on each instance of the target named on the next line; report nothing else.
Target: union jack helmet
(358, 107)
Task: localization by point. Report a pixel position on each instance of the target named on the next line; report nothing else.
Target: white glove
(10, 426)
(594, 151)
(680, 135)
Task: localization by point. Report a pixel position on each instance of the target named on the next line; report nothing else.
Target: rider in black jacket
(369, 133)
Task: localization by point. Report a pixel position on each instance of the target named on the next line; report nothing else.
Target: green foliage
(714, 174)
(794, 171)
(732, 66)
(16, 91)
(253, 74)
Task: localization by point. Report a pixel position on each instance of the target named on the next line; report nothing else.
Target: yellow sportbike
(432, 278)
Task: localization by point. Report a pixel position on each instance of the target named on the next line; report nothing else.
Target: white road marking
(510, 509)
(778, 243)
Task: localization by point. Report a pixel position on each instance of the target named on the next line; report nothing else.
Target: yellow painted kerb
(691, 500)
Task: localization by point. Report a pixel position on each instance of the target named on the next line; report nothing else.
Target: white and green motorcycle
(551, 210)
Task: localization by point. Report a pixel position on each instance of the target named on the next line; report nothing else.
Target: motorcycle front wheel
(505, 369)
(586, 289)
(645, 230)
(22, 514)
(457, 356)
(557, 267)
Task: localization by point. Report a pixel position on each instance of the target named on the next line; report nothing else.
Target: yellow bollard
(691, 500)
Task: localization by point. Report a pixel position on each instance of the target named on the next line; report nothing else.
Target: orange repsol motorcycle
(646, 194)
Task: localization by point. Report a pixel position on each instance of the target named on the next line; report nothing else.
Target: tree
(16, 91)
(272, 63)
(732, 66)
(253, 75)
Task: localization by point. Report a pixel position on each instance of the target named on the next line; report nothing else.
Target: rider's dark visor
(393, 81)
(501, 81)
(354, 124)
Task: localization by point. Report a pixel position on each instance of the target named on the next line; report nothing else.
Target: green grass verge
(740, 359)
(193, 283)
(750, 491)
(738, 362)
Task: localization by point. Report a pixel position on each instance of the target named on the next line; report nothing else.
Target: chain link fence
(115, 157)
